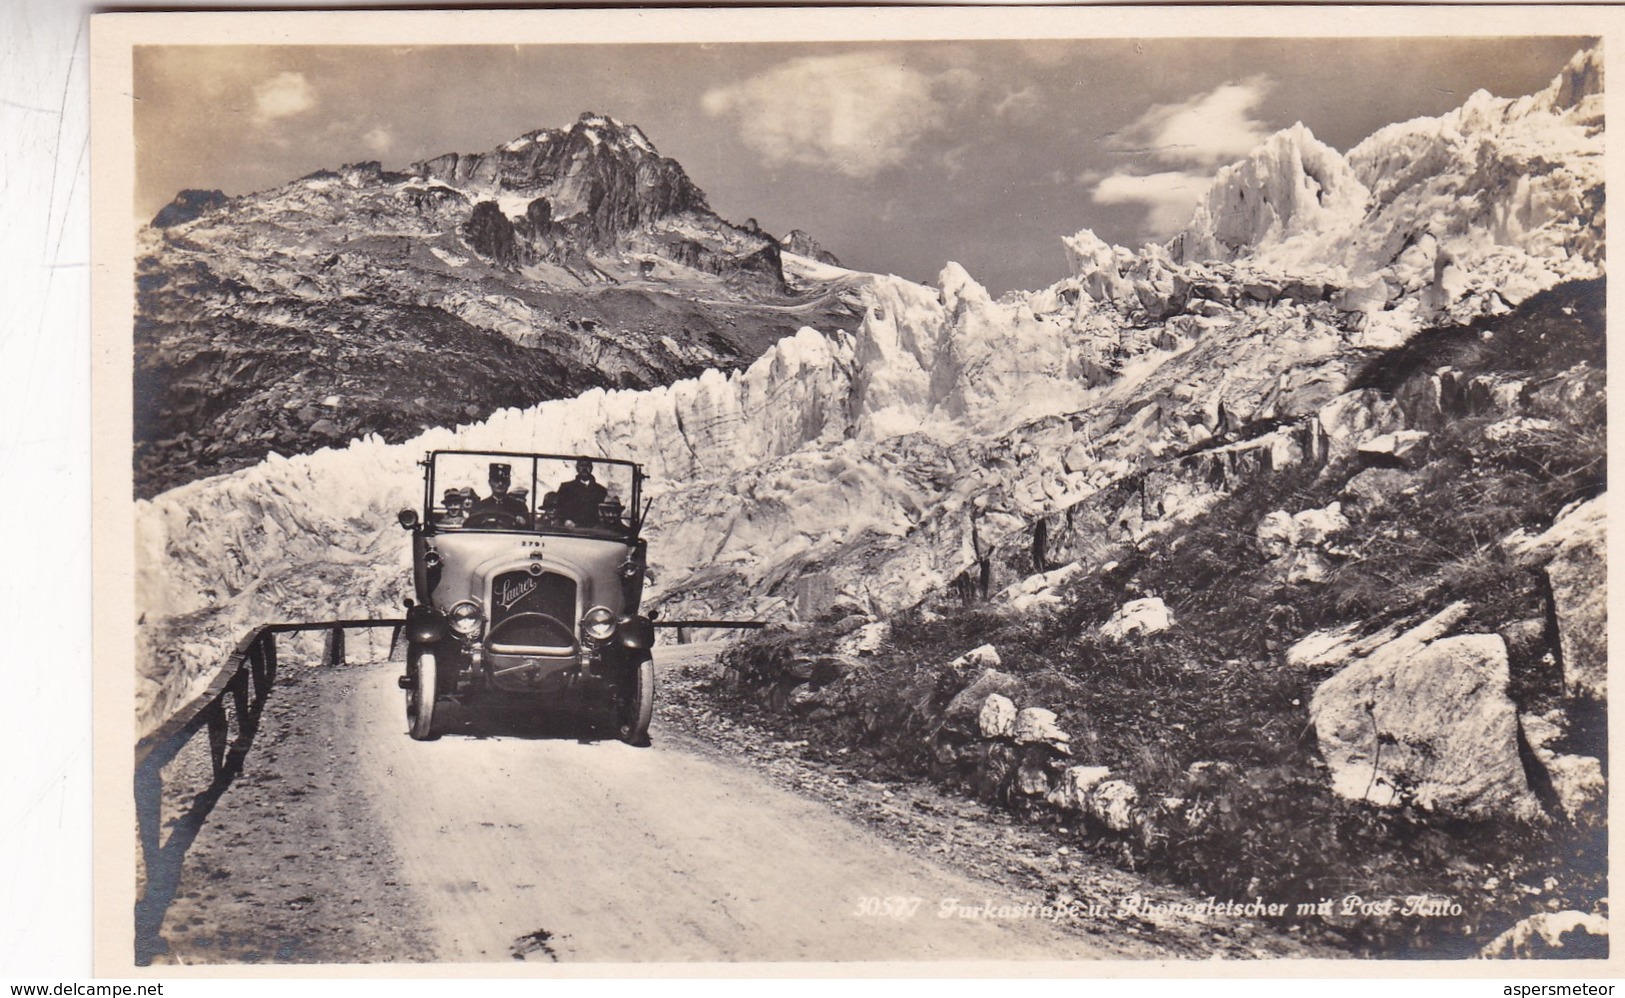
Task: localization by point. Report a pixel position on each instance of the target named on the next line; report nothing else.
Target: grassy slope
(1216, 686)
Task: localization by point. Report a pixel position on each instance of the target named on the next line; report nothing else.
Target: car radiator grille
(520, 592)
(531, 613)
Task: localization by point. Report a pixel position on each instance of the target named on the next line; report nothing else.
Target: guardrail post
(269, 655)
(239, 703)
(335, 647)
(256, 668)
(217, 736)
(149, 802)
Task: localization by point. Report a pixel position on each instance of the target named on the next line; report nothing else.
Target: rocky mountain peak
(598, 168)
(188, 205)
(801, 244)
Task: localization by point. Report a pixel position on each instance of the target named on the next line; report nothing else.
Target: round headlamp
(465, 618)
(599, 623)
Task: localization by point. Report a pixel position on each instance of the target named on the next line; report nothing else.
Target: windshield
(549, 493)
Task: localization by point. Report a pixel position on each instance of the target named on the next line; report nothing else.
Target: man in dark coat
(579, 497)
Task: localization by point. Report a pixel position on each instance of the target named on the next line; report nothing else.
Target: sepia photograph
(916, 486)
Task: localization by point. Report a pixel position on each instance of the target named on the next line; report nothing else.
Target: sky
(895, 156)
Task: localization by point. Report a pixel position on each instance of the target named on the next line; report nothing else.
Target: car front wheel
(421, 669)
(637, 704)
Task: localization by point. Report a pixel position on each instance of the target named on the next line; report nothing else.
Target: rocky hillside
(1367, 649)
(361, 300)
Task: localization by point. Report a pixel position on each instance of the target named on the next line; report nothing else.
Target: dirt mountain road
(511, 838)
(601, 851)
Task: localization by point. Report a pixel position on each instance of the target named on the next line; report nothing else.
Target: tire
(423, 670)
(637, 705)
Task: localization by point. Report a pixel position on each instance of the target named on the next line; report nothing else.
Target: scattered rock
(1579, 519)
(1373, 487)
(1401, 449)
(997, 718)
(866, 640)
(1275, 534)
(1324, 649)
(1072, 790)
(966, 706)
(1207, 775)
(1037, 726)
(1353, 417)
(1426, 720)
(1577, 780)
(982, 657)
(1142, 616)
(1317, 526)
(1032, 781)
(1517, 429)
(1115, 804)
(1297, 541)
(1570, 934)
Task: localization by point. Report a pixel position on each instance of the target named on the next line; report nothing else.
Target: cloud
(1209, 128)
(283, 95)
(1169, 198)
(379, 139)
(1021, 105)
(1193, 137)
(858, 113)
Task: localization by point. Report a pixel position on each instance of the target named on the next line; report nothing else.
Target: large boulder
(1574, 551)
(1426, 720)
(1578, 574)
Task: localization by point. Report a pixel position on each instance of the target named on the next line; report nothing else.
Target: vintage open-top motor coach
(528, 572)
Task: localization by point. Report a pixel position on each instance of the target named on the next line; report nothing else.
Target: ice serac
(1436, 218)
(1282, 207)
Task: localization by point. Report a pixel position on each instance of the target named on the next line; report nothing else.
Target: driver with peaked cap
(500, 500)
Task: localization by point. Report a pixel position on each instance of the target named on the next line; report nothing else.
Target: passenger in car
(521, 500)
(579, 497)
(455, 510)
